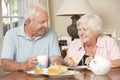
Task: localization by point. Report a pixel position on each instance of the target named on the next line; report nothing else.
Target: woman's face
(85, 33)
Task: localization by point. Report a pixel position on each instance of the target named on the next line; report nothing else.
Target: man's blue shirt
(18, 46)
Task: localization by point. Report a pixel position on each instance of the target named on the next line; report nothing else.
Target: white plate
(69, 73)
(79, 67)
(33, 73)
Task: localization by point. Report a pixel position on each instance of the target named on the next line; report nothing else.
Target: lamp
(74, 8)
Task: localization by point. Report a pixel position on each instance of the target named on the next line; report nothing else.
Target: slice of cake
(74, 59)
(38, 70)
(57, 69)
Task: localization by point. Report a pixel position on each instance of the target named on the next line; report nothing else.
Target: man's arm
(57, 60)
(10, 65)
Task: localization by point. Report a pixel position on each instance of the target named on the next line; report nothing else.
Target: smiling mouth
(83, 37)
(43, 29)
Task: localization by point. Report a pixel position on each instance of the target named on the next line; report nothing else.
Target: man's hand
(30, 63)
(56, 60)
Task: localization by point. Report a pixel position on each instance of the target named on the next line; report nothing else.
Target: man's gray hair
(93, 21)
(31, 12)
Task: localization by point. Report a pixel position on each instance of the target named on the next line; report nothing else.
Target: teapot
(100, 65)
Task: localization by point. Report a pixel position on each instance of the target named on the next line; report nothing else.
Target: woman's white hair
(31, 12)
(93, 22)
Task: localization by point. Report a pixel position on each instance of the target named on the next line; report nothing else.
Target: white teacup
(42, 61)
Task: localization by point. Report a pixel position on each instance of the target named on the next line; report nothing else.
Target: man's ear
(28, 21)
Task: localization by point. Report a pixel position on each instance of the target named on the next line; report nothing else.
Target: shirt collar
(99, 41)
(80, 45)
(21, 32)
(98, 44)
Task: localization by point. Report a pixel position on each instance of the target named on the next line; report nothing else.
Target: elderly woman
(92, 43)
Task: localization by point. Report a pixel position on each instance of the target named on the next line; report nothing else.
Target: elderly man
(34, 38)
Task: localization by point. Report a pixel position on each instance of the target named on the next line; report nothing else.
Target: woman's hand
(70, 62)
(88, 59)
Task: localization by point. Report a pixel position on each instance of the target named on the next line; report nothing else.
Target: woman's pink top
(106, 46)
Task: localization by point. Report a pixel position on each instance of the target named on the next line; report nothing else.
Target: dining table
(84, 74)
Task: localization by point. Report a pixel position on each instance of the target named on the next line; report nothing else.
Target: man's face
(39, 23)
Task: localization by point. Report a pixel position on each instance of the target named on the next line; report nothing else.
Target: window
(12, 14)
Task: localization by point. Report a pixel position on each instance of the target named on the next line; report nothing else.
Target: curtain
(1, 29)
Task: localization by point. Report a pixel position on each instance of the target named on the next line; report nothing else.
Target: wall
(108, 10)
(59, 23)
